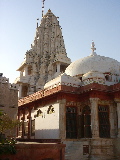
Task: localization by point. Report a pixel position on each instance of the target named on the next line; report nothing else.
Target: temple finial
(49, 10)
(93, 48)
(43, 7)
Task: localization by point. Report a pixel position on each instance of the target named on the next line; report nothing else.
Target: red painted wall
(37, 152)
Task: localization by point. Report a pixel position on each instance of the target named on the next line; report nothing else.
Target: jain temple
(77, 103)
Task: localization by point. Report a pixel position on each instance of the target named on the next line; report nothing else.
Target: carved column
(112, 121)
(23, 118)
(118, 115)
(18, 117)
(29, 123)
(94, 117)
(62, 113)
(21, 74)
(26, 71)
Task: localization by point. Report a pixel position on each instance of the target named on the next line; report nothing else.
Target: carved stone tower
(46, 59)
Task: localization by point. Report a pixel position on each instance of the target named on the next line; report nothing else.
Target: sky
(81, 20)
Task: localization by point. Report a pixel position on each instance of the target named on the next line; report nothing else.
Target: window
(86, 122)
(107, 77)
(62, 68)
(71, 122)
(80, 78)
(104, 125)
(80, 126)
(29, 70)
(24, 91)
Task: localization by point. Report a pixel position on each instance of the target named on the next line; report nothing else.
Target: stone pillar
(62, 113)
(18, 117)
(21, 74)
(26, 71)
(29, 123)
(118, 113)
(58, 67)
(94, 117)
(112, 121)
(23, 119)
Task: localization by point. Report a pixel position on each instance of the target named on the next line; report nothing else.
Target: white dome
(93, 62)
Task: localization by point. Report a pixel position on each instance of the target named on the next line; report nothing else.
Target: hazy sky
(81, 20)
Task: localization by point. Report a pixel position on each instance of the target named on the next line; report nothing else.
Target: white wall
(47, 125)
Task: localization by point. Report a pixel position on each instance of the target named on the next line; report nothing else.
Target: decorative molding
(92, 90)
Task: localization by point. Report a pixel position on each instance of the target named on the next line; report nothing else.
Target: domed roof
(93, 62)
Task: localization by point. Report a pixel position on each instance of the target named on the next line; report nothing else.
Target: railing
(39, 140)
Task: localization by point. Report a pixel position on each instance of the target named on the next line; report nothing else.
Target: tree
(7, 125)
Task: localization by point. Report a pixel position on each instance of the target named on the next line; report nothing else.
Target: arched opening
(107, 77)
(24, 90)
(29, 70)
(62, 68)
(80, 79)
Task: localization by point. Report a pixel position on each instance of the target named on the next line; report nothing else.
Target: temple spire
(47, 57)
(93, 49)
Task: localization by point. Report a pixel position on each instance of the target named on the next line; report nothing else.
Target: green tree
(7, 124)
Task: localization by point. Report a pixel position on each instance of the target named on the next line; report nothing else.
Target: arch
(107, 77)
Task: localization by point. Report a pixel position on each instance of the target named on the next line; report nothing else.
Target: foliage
(7, 146)
(7, 124)
(1, 113)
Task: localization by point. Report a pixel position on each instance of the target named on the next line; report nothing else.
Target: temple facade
(78, 103)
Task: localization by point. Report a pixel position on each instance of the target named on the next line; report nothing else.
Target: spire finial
(93, 48)
(43, 7)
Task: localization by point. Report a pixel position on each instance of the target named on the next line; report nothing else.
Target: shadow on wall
(47, 134)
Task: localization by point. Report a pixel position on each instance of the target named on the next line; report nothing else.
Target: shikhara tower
(46, 59)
